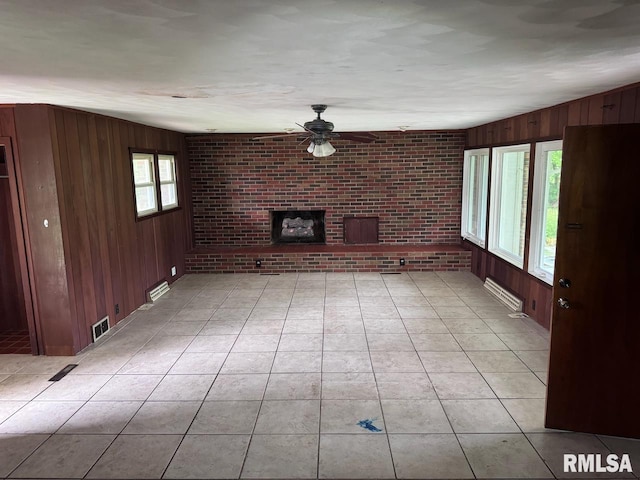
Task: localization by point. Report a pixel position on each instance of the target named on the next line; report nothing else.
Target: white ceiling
(256, 66)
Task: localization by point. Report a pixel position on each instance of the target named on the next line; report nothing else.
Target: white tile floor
(419, 375)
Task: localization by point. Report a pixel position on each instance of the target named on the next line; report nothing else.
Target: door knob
(563, 302)
(564, 282)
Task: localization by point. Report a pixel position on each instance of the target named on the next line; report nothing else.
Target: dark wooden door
(594, 371)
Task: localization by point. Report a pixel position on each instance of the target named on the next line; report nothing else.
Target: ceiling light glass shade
(323, 150)
(311, 147)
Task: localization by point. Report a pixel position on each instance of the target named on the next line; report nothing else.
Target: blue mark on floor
(368, 424)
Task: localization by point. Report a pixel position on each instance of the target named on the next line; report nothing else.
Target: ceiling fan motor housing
(319, 126)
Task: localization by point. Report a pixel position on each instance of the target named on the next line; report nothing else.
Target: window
(155, 182)
(508, 213)
(168, 183)
(544, 212)
(474, 195)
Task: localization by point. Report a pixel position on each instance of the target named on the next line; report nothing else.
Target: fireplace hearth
(297, 226)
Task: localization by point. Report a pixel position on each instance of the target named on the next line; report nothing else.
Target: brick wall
(290, 261)
(411, 180)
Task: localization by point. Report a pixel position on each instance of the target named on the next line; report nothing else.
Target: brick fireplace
(410, 181)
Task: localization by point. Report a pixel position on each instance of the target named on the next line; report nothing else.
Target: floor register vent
(100, 328)
(156, 293)
(506, 297)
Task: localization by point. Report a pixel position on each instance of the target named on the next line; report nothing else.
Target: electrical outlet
(174, 271)
(117, 308)
(258, 263)
(402, 262)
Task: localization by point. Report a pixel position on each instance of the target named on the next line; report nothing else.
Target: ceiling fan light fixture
(323, 149)
(311, 147)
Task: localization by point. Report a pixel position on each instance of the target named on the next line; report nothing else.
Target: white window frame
(155, 183)
(495, 203)
(538, 210)
(173, 181)
(481, 208)
(151, 183)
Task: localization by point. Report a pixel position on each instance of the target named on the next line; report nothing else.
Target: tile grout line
(324, 306)
(264, 393)
(440, 400)
(173, 455)
(375, 378)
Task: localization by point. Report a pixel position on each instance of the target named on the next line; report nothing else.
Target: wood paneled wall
(114, 259)
(94, 255)
(621, 105)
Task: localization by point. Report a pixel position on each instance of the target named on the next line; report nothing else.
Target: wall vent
(156, 293)
(100, 328)
(506, 297)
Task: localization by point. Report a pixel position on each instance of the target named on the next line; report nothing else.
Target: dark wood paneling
(621, 105)
(76, 173)
(49, 273)
(114, 258)
(628, 105)
(611, 108)
(596, 110)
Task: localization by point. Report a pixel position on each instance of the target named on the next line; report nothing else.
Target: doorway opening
(17, 332)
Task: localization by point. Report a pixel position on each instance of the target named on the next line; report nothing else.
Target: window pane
(509, 203)
(544, 209)
(166, 165)
(474, 209)
(142, 168)
(145, 200)
(169, 195)
(550, 221)
(513, 203)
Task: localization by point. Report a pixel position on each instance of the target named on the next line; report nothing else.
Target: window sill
(543, 276)
(157, 214)
(473, 239)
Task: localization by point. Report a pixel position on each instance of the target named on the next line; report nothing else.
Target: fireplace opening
(297, 226)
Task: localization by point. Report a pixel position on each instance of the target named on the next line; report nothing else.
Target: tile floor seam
(321, 382)
(264, 392)
(375, 378)
(28, 456)
(445, 411)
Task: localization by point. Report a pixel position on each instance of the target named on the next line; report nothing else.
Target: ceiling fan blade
(363, 137)
(275, 136)
(310, 131)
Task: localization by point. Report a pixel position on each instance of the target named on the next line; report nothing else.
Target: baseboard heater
(157, 292)
(506, 297)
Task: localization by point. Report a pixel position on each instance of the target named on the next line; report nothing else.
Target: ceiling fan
(319, 132)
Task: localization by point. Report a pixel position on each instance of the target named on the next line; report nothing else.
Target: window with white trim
(544, 211)
(508, 212)
(475, 187)
(144, 179)
(155, 182)
(168, 182)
